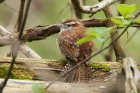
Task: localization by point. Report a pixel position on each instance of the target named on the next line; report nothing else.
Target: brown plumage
(71, 30)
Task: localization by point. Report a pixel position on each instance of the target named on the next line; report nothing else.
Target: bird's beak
(59, 25)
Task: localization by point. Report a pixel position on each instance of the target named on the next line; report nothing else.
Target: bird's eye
(68, 25)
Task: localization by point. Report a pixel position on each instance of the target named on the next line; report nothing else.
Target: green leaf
(38, 88)
(126, 10)
(116, 20)
(100, 39)
(122, 25)
(85, 39)
(137, 20)
(125, 23)
(119, 17)
(101, 30)
(92, 33)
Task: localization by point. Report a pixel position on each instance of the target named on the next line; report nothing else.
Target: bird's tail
(82, 74)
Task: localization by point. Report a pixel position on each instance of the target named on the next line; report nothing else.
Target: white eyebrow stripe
(72, 22)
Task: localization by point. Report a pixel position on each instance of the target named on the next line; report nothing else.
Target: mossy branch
(56, 64)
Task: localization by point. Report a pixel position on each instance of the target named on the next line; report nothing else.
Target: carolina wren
(71, 30)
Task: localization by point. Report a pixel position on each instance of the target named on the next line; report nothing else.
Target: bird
(72, 30)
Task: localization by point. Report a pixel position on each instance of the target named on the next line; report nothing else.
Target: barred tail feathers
(82, 73)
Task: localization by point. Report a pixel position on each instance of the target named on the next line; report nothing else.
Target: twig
(76, 12)
(20, 15)
(132, 35)
(8, 39)
(3, 31)
(24, 20)
(15, 49)
(2, 84)
(9, 7)
(28, 52)
(19, 20)
(1, 1)
(94, 54)
(95, 8)
(107, 39)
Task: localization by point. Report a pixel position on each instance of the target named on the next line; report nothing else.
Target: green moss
(18, 72)
(103, 67)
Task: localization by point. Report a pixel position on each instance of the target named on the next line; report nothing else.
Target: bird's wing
(69, 48)
(87, 49)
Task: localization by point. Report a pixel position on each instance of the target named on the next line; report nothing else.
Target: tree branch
(57, 64)
(95, 8)
(77, 13)
(9, 38)
(44, 31)
(117, 47)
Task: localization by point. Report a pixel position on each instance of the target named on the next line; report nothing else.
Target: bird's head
(70, 24)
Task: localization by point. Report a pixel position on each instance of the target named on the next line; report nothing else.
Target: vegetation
(18, 72)
(120, 21)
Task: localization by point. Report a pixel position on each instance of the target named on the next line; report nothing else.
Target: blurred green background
(44, 12)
